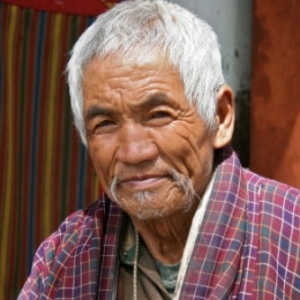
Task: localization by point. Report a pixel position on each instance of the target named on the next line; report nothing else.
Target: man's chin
(147, 215)
(141, 205)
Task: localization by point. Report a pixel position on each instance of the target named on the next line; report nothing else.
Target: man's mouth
(142, 182)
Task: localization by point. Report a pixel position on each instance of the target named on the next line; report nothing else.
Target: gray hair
(138, 31)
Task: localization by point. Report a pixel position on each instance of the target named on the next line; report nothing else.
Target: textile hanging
(79, 7)
(45, 171)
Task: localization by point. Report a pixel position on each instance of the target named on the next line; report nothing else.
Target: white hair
(138, 31)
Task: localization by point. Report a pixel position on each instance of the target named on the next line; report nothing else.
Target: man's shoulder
(75, 246)
(84, 222)
(83, 217)
(272, 194)
(262, 184)
(258, 187)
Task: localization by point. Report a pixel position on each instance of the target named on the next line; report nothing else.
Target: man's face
(146, 142)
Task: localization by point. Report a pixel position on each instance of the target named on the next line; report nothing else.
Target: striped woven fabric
(45, 172)
(88, 8)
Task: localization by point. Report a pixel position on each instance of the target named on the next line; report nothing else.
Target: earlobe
(224, 117)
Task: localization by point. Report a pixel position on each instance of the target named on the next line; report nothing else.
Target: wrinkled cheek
(184, 158)
(175, 152)
(198, 158)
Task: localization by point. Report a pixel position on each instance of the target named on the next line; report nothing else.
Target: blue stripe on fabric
(34, 138)
(90, 20)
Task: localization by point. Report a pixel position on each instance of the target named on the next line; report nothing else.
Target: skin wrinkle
(140, 144)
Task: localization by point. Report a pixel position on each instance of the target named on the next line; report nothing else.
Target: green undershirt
(169, 274)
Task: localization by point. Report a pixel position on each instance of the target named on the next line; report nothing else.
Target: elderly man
(180, 218)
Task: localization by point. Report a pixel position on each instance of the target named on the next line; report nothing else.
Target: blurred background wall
(275, 101)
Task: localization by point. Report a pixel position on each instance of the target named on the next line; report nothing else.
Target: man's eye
(103, 126)
(160, 114)
(160, 118)
(104, 123)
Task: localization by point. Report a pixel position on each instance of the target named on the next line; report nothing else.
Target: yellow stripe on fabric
(9, 185)
(52, 100)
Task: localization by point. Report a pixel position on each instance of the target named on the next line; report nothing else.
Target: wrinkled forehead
(130, 57)
(117, 64)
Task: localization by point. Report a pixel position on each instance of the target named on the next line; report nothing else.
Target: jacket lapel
(213, 271)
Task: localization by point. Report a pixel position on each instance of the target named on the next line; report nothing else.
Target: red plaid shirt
(248, 246)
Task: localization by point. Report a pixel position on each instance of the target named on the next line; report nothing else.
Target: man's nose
(136, 144)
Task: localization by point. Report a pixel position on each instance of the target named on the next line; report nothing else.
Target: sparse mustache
(182, 181)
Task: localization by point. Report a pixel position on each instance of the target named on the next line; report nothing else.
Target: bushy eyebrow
(96, 111)
(147, 104)
(156, 100)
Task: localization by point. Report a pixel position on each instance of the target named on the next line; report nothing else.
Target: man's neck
(166, 237)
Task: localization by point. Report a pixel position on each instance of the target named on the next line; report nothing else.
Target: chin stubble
(148, 196)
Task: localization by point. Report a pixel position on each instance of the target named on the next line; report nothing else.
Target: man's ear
(224, 117)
